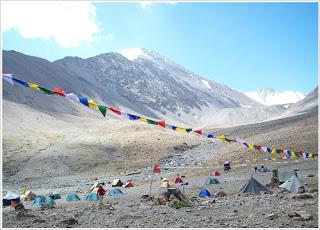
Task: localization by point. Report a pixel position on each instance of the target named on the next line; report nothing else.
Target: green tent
(253, 186)
(212, 180)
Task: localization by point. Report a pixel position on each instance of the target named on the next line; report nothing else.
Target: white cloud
(110, 37)
(68, 23)
(145, 4)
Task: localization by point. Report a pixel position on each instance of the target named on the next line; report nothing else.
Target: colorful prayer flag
(21, 82)
(198, 131)
(103, 110)
(46, 91)
(162, 123)
(73, 97)
(34, 86)
(59, 92)
(84, 101)
(152, 122)
(114, 110)
(179, 129)
(93, 104)
(8, 78)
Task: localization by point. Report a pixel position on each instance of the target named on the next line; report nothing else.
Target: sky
(246, 46)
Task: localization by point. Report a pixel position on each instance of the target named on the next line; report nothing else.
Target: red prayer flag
(258, 147)
(198, 131)
(114, 110)
(59, 92)
(156, 169)
(162, 123)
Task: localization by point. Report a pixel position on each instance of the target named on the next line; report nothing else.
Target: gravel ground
(132, 211)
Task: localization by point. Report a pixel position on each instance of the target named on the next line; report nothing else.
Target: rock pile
(173, 198)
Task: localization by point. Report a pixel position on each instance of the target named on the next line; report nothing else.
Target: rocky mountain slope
(138, 81)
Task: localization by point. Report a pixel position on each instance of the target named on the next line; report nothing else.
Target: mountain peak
(268, 96)
(134, 53)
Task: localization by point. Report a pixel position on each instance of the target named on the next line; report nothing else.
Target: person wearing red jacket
(101, 192)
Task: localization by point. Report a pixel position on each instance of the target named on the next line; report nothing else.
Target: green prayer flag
(151, 122)
(103, 110)
(188, 130)
(47, 91)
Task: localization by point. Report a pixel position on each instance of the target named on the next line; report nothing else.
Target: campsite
(163, 115)
(264, 209)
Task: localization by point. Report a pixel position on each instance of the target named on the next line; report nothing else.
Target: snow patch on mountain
(206, 84)
(133, 53)
(270, 97)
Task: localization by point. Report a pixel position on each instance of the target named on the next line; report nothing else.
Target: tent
(165, 185)
(294, 184)
(215, 173)
(72, 197)
(95, 190)
(212, 180)
(117, 183)
(55, 196)
(128, 185)
(50, 201)
(92, 197)
(178, 180)
(28, 195)
(165, 180)
(9, 198)
(204, 192)
(96, 185)
(253, 186)
(284, 176)
(39, 200)
(115, 192)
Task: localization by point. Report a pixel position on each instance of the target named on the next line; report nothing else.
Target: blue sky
(243, 45)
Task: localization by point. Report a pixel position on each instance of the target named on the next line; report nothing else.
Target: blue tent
(115, 192)
(92, 197)
(55, 196)
(39, 200)
(50, 201)
(204, 192)
(72, 197)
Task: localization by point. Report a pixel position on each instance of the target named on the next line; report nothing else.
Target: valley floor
(132, 211)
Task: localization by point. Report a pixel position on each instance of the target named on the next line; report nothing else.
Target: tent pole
(150, 186)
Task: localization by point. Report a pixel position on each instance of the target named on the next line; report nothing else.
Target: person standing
(101, 192)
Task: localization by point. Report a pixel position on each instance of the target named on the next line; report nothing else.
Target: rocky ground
(232, 210)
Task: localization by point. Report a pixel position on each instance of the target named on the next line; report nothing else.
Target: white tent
(11, 196)
(294, 184)
(117, 183)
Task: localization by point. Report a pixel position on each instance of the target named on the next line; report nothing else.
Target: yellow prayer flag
(92, 104)
(274, 159)
(180, 129)
(143, 119)
(273, 151)
(250, 146)
(222, 137)
(33, 86)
